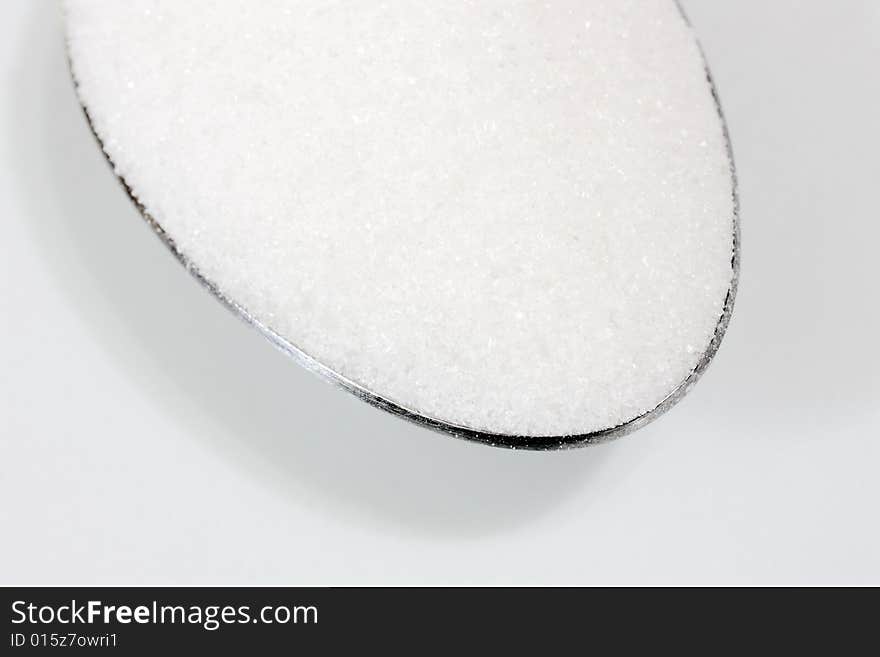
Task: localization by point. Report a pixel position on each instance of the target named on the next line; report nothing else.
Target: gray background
(146, 436)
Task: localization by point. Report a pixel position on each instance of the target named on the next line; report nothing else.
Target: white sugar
(511, 216)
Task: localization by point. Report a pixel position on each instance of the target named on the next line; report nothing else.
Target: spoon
(288, 345)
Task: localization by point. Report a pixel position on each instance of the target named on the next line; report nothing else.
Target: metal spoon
(494, 439)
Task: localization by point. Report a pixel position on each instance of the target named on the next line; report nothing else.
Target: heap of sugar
(511, 216)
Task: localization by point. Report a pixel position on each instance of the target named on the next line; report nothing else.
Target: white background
(147, 436)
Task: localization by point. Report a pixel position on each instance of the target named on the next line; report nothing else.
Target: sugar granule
(511, 216)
